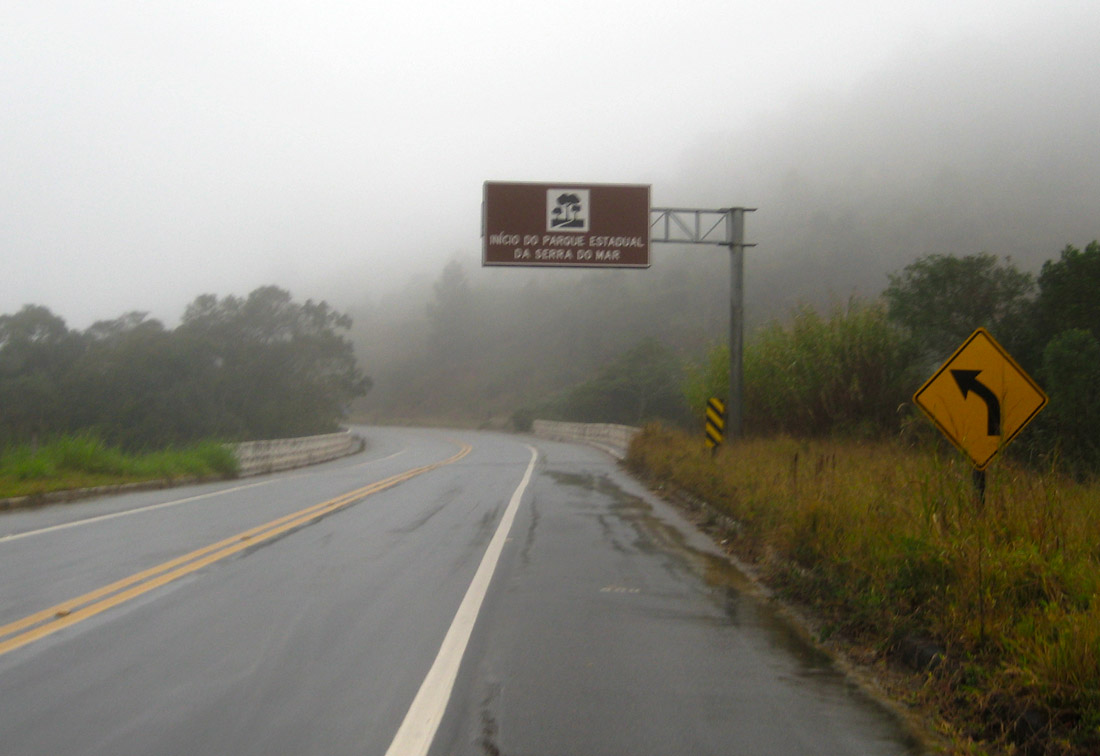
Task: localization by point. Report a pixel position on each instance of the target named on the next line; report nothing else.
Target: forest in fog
(474, 345)
(498, 348)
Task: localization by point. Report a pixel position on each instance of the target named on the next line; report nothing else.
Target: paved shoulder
(618, 629)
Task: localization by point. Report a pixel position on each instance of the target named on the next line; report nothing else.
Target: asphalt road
(443, 593)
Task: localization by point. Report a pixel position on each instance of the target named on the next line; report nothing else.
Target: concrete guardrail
(613, 439)
(258, 457)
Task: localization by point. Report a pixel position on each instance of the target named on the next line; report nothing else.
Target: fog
(981, 145)
(151, 154)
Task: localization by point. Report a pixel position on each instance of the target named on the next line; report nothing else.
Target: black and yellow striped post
(716, 422)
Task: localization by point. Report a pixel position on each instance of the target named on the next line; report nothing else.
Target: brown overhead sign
(566, 225)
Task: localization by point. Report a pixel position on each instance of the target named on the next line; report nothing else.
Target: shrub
(1071, 377)
(218, 458)
(850, 371)
(82, 461)
(523, 420)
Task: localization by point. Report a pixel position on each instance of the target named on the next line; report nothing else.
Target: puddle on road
(737, 596)
(731, 589)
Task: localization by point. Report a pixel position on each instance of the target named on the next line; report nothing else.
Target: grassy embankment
(997, 606)
(84, 462)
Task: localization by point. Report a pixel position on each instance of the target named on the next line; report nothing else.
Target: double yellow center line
(31, 628)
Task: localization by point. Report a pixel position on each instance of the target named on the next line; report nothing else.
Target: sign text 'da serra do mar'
(566, 225)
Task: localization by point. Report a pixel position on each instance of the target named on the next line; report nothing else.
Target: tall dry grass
(888, 544)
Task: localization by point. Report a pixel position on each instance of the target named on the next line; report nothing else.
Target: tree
(1067, 316)
(35, 340)
(1066, 429)
(1069, 291)
(37, 352)
(140, 386)
(263, 366)
(941, 299)
(273, 367)
(450, 314)
(639, 385)
(122, 327)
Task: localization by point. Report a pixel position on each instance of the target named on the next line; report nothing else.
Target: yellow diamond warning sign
(980, 398)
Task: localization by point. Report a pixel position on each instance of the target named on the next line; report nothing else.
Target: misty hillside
(473, 346)
(972, 148)
(983, 146)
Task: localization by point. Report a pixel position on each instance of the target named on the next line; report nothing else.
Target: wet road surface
(608, 626)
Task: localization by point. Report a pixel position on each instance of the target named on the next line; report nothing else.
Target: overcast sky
(154, 151)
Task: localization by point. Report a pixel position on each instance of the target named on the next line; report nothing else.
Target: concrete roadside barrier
(614, 439)
(258, 457)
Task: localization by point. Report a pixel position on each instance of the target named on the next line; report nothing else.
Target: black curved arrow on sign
(968, 381)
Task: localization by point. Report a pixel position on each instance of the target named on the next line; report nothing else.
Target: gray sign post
(724, 228)
(604, 225)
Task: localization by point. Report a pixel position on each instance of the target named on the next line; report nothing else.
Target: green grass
(84, 461)
(884, 544)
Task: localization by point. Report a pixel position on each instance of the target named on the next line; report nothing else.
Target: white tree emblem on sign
(567, 209)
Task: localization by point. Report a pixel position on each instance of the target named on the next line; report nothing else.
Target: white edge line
(113, 515)
(418, 729)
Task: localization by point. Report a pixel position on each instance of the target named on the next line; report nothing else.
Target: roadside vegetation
(842, 496)
(995, 609)
(129, 400)
(235, 368)
(853, 370)
(83, 461)
(846, 500)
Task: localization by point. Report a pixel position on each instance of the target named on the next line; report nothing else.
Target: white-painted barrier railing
(256, 457)
(612, 438)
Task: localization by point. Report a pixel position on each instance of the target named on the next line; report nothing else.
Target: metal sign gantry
(677, 225)
(724, 227)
